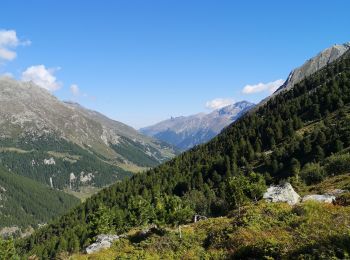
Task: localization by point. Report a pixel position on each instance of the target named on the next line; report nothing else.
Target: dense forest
(26, 157)
(302, 136)
(25, 202)
(136, 153)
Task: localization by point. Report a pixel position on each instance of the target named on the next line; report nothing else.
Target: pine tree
(7, 250)
(295, 168)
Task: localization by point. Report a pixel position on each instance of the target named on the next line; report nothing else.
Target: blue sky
(140, 62)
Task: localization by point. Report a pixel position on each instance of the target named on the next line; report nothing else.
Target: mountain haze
(184, 132)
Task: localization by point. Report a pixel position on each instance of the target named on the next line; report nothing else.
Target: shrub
(312, 173)
(338, 164)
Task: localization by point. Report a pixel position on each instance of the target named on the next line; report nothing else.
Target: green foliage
(261, 231)
(7, 250)
(312, 173)
(102, 221)
(137, 153)
(338, 164)
(31, 163)
(242, 189)
(264, 141)
(26, 202)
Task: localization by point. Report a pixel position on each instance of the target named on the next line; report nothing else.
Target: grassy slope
(25, 202)
(261, 231)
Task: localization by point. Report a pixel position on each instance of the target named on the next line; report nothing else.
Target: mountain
(184, 132)
(301, 135)
(65, 145)
(314, 64)
(24, 203)
(310, 67)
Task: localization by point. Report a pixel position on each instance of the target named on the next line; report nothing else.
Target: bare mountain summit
(314, 64)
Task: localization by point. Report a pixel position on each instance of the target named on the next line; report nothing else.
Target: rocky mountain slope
(187, 131)
(302, 135)
(65, 145)
(311, 66)
(314, 64)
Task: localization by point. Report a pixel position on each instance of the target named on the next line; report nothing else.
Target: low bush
(338, 164)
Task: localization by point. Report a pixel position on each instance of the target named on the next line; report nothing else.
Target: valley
(300, 135)
(177, 130)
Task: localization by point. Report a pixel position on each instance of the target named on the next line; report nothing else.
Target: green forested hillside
(302, 135)
(26, 156)
(25, 202)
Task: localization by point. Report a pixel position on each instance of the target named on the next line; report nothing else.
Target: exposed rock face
(84, 178)
(50, 161)
(314, 64)
(326, 198)
(9, 231)
(282, 193)
(184, 132)
(102, 242)
(311, 66)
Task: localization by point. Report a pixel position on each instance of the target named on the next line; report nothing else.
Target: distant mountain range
(64, 145)
(48, 146)
(184, 132)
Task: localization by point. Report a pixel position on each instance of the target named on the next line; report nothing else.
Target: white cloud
(42, 76)
(74, 89)
(219, 103)
(261, 87)
(8, 42)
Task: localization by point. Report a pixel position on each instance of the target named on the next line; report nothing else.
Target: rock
(336, 192)
(326, 198)
(86, 177)
(50, 161)
(102, 242)
(51, 184)
(9, 231)
(282, 193)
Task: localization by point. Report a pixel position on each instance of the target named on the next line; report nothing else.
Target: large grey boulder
(282, 193)
(326, 198)
(102, 242)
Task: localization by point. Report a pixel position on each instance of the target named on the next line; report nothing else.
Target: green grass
(83, 193)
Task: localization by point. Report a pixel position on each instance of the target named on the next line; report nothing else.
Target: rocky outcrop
(50, 161)
(286, 193)
(325, 198)
(282, 193)
(314, 64)
(102, 242)
(329, 197)
(310, 67)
